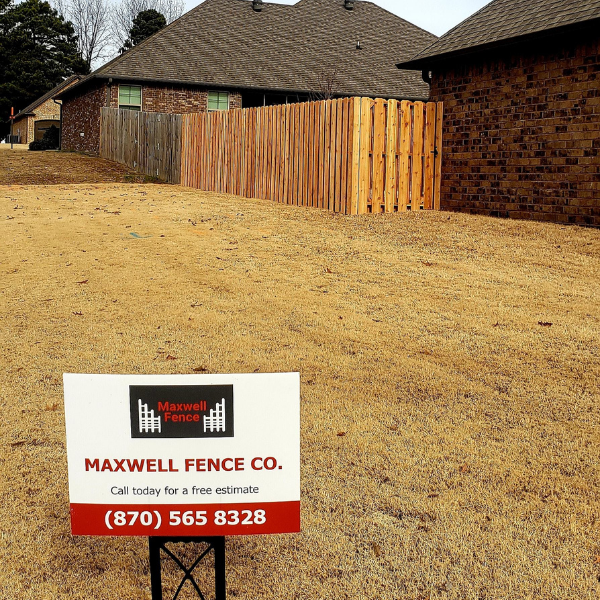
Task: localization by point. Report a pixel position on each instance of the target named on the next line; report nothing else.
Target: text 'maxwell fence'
(353, 156)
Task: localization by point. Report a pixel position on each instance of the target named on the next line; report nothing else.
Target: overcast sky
(437, 16)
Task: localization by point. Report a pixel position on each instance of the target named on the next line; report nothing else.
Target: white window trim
(218, 92)
(130, 85)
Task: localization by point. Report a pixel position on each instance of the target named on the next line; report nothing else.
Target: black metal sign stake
(217, 544)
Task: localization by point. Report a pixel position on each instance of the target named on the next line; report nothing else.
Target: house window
(130, 97)
(218, 101)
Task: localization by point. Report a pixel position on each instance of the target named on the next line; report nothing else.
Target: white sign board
(183, 455)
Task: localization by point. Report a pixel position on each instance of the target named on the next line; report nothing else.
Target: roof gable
(48, 95)
(504, 20)
(226, 43)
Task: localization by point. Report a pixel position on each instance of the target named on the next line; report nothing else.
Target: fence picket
(355, 156)
(438, 156)
(429, 149)
(364, 184)
(304, 154)
(321, 107)
(390, 156)
(344, 156)
(405, 172)
(378, 151)
(327, 151)
(272, 150)
(338, 155)
(417, 154)
(259, 158)
(332, 141)
(312, 156)
(282, 151)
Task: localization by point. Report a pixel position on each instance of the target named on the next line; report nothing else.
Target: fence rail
(353, 155)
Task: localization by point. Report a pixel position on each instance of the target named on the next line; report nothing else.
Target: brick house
(242, 53)
(31, 122)
(520, 82)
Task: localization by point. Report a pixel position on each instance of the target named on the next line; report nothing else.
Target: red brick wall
(174, 99)
(82, 113)
(522, 132)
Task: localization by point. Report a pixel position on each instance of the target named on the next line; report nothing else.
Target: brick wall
(81, 120)
(174, 99)
(81, 114)
(48, 110)
(21, 128)
(522, 132)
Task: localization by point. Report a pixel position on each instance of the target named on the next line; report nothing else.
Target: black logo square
(181, 411)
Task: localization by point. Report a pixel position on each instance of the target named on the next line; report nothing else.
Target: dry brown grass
(19, 166)
(468, 467)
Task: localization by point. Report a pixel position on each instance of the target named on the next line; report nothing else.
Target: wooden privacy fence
(354, 155)
(147, 142)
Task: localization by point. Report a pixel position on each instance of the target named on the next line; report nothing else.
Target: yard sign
(183, 455)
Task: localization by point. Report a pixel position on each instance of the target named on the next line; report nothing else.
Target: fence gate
(399, 154)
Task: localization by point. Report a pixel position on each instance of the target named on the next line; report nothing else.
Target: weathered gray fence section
(147, 142)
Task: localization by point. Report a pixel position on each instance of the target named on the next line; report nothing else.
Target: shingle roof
(283, 47)
(53, 92)
(504, 20)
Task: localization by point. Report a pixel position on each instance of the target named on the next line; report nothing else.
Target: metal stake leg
(217, 544)
(154, 544)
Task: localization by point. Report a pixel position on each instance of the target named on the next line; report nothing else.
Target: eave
(455, 56)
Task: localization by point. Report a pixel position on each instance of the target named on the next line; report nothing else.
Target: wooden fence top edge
(367, 99)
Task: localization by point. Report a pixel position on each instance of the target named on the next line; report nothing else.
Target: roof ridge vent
(257, 5)
(349, 4)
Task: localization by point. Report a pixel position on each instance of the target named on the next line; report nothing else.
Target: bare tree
(125, 11)
(325, 84)
(171, 9)
(92, 22)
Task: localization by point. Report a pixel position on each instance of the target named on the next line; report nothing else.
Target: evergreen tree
(38, 50)
(147, 23)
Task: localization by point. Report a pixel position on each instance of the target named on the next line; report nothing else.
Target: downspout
(61, 123)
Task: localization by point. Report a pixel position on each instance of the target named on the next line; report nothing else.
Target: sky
(436, 16)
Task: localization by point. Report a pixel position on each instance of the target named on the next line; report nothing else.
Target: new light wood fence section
(353, 156)
(146, 142)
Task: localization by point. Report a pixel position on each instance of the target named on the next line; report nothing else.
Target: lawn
(19, 166)
(449, 386)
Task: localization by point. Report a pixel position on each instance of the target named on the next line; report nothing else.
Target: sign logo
(181, 411)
